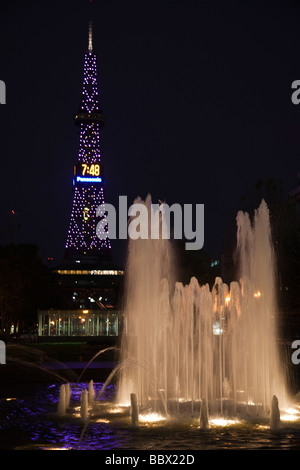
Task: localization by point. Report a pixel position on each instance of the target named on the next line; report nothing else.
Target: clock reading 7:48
(93, 169)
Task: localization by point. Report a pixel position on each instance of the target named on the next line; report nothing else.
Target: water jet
(62, 401)
(193, 341)
(91, 395)
(275, 414)
(204, 424)
(68, 394)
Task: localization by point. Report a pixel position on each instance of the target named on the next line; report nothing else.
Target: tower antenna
(90, 36)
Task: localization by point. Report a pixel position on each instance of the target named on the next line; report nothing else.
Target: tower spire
(90, 48)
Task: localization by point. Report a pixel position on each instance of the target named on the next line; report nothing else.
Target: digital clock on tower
(87, 173)
(93, 169)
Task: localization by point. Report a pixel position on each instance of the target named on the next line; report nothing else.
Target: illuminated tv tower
(83, 243)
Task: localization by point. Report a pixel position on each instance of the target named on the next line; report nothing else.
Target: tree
(285, 228)
(25, 285)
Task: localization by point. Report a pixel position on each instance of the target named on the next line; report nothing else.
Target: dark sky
(196, 94)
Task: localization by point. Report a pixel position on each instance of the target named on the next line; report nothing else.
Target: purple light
(88, 196)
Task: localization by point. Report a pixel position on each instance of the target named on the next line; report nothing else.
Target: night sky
(196, 94)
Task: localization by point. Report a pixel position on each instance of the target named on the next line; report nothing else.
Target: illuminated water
(191, 342)
(32, 422)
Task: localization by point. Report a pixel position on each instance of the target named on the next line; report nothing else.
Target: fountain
(181, 343)
(193, 360)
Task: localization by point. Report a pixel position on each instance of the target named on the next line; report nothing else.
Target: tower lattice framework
(87, 238)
